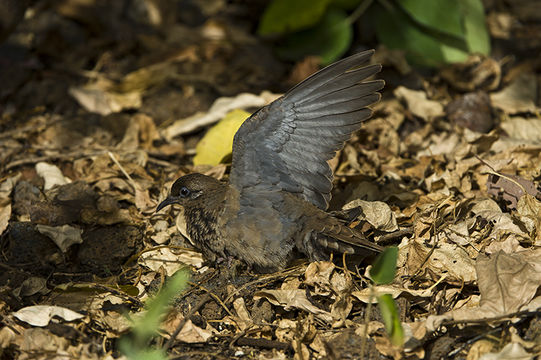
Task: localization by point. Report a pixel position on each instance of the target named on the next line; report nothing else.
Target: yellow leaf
(218, 141)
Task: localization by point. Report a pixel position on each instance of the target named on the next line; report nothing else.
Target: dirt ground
(102, 106)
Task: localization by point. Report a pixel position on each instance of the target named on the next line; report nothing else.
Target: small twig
(68, 156)
(366, 320)
(235, 338)
(137, 255)
(263, 343)
(181, 324)
(135, 300)
(130, 179)
(216, 297)
(495, 318)
(32, 127)
(469, 342)
(161, 162)
(359, 10)
(277, 275)
(398, 233)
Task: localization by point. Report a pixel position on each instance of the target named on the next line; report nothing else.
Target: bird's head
(191, 189)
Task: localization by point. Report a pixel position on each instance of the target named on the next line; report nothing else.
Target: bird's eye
(184, 191)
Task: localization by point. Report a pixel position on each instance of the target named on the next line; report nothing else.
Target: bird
(273, 208)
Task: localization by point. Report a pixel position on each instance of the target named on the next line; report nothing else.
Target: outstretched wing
(286, 144)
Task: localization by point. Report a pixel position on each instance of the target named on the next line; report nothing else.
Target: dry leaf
(445, 259)
(217, 111)
(418, 103)
(511, 351)
(377, 213)
(519, 96)
(31, 286)
(51, 174)
(527, 130)
(218, 141)
(169, 260)
(41, 315)
(507, 284)
(293, 299)
(318, 274)
(95, 99)
(395, 291)
(63, 236)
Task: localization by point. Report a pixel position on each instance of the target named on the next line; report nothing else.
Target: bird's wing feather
(286, 145)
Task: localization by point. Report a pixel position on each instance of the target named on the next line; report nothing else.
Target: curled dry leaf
(529, 210)
(190, 333)
(63, 236)
(318, 274)
(519, 96)
(32, 285)
(98, 98)
(51, 175)
(169, 260)
(243, 319)
(522, 129)
(475, 73)
(181, 225)
(293, 299)
(377, 213)
(418, 103)
(510, 188)
(41, 315)
(141, 132)
(5, 215)
(395, 291)
(217, 111)
(444, 259)
(507, 284)
(6, 187)
(509, 351)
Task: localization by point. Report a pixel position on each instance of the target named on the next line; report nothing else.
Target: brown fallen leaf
(507, 283)
(519, 96)
(510, 188)
(419, 104)
(293, 299)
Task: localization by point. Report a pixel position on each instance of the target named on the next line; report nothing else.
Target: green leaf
(477, 35)
(433, 32)
(146, 354)
(284, 16)
(384, 268)
(329, 39)
(397, 31)
(218, 141)
(146, 326)
(391, 319)
(440, 15)
(156, 307)
(346, 4)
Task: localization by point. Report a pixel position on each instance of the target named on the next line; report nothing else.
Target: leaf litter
(448, 170)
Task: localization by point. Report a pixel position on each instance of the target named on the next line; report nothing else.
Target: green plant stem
(359, 10)
(367, 319)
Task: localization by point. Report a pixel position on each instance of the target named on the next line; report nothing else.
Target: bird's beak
(168, 201)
